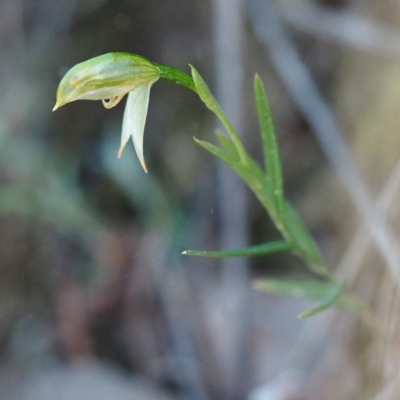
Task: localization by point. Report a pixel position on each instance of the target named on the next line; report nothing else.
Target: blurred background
(96, 300)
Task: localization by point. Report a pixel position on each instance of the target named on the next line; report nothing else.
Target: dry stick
(300, 83)
(388, 393)
(355, 253)
(185, 368)
(343, 27)
(390, 324)
(228, 31)
(351, 261)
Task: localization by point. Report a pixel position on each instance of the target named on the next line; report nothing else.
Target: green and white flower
(109, 78)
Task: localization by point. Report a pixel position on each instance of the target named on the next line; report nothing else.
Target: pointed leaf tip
(252, 251)
(272, 158)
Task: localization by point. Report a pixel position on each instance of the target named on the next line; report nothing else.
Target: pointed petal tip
(144, 165)
(121, 151)
(142, 162)
(55, 107)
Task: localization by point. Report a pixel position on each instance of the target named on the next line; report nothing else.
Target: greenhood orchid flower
(109, 78)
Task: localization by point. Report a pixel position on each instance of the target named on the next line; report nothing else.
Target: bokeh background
(96, 300)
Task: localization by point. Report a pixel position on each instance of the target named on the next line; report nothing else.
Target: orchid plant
(110, 77)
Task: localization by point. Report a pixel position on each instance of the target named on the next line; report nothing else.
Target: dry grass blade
(299, 81)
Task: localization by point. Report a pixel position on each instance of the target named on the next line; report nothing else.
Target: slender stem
(219, 112)
(210, 101)
(181, 78)
(176, 76)
(316, 265)
(198, 85)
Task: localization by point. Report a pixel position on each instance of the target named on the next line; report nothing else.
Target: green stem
(314, 261)
(176, 76)
(209, 100)
(219, 112)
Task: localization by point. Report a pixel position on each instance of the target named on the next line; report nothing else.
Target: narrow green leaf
(272, 158)
(308, 289)
(330, 299)
(289, 223)
(226, 143)
(300, 236)
(258, 250)
(326, 293)
(209, 100)
(227, 158)
(251, 174)
(204, 91)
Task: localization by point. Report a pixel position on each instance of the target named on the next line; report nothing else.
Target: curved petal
(134, 120)
(110, 103)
